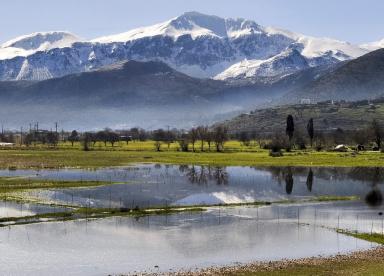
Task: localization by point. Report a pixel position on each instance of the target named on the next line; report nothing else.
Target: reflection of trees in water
(374, 175)
(279, 173)
(371, 176)
(288, 180)
(364, 174)
(309, 181)
(203, 174)
(374, 197)
(183, 168)
(221, 176)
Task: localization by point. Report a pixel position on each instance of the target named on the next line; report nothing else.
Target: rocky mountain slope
(358, 79)
(193, 43)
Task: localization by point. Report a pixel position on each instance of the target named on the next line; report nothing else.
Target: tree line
(204, 138)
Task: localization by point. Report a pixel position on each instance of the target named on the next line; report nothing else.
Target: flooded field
(20, 209)
(161, 185)
(294, 223)
(220, 236)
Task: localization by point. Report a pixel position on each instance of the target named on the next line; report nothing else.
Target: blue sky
(356, 21)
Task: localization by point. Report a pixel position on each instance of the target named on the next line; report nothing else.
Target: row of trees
(362, 137)
(202, 135)
(204, 138)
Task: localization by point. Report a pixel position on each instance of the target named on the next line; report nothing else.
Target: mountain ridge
(358, 79)
(196, 44)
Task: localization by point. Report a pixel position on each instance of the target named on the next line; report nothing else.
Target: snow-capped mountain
(285, 63)
(373, 45)
(193, 43)
(29, 44)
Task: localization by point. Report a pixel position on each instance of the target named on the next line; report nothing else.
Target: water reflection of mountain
(318, 181)
(367, 178)
(156, 184)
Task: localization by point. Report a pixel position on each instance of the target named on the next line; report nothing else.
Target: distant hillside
(361, 78)
(327, 116)
(121, 84)
(146, 94)
(152, 94)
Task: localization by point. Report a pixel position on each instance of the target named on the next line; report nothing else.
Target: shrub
(275, 153)
(276, 145)
(183, 145)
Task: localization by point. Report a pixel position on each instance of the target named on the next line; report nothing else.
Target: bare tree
(52, 138)
(360, 137)
(87, 137)
(159, 136)
(193, 136)
(377, 132)
(102, 136)
(209, 138)
(202, 133)
(220, 136)
(112, 138)
(183, 142)
(74, 137)
(244, 138)
(169, 138)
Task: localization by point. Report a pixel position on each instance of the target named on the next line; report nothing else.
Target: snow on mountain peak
(318, 46)
(197, 24)
(207, 24)
(287, 62)
(238, 27)
(221, 47)
(35, 41)
(189, 23)
(373, 45)
(194, 24)
(41, 41)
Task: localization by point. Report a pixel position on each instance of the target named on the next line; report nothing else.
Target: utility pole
(56, 127)
(21, 136)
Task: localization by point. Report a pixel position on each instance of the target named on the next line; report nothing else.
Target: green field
(143, 152)
(235, 154)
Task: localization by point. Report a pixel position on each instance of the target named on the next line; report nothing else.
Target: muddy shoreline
(372, 255)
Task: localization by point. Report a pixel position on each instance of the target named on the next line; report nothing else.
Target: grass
(371, 237)
(75, 212)
(333, 198)
(14, 184)
(75, 158)
(345, 266)
(96, 213)
(369, 262)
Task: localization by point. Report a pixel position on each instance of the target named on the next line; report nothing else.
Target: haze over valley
(192, 69)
